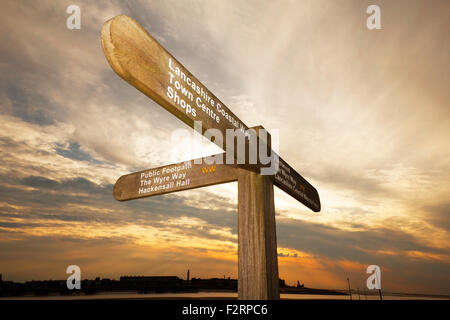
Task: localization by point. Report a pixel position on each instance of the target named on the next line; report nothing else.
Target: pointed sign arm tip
(142, 62)
(108, 48)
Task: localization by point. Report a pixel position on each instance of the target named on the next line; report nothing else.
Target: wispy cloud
(362, 114)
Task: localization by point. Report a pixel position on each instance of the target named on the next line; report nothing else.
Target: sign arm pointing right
(141, 61)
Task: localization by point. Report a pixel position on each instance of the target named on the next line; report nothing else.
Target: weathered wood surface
(257, 239)
(291, 182)
(141, 61)
(257, 243)
(185, 175)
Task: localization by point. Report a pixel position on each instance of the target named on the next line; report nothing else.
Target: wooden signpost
(141, 61)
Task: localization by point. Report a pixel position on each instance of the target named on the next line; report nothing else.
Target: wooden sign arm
(185, 175)
(141, 61)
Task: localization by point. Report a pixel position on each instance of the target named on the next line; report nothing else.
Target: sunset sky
(364, 115)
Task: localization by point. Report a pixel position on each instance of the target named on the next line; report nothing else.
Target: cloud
(356, 245)
(362, 115)
(438, 215)
(84, 210)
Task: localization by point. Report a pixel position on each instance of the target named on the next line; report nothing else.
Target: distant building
(214, 283)
(145, 283)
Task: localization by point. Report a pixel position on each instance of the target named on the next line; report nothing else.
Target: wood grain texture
(257, 244)
(257, 240)
(141, 61)
(172, 178)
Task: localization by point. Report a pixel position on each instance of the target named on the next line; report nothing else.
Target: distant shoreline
(150, 287)
(208, 294)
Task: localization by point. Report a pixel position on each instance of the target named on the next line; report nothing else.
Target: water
(214, 295)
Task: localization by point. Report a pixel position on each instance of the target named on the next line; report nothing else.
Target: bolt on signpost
(141, 61)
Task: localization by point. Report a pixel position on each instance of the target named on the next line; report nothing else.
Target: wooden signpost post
(141, 61)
